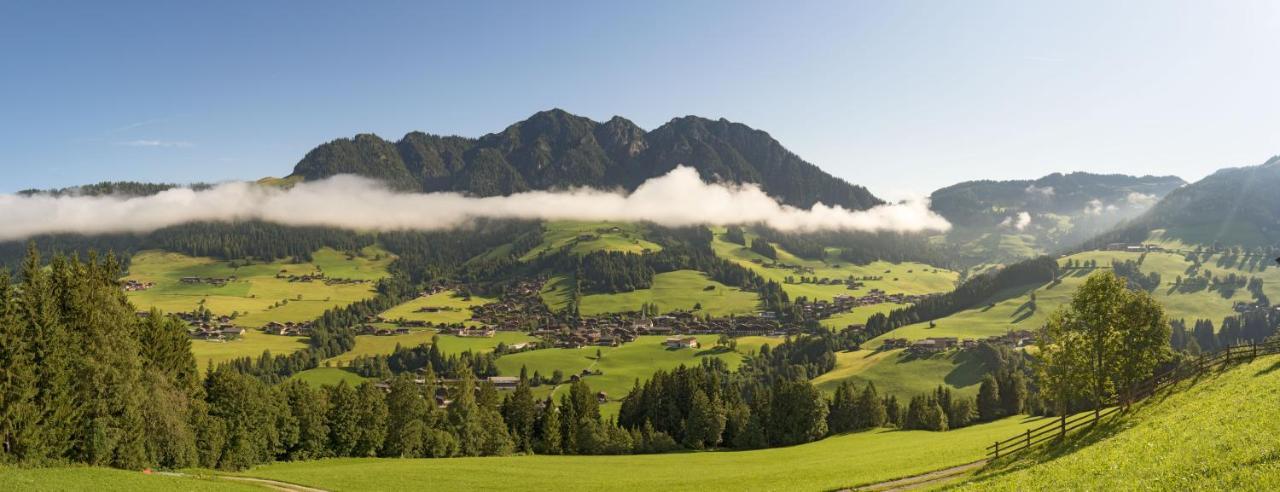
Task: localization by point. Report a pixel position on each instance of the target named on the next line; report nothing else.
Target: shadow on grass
(1274, 367)
(1059, 448)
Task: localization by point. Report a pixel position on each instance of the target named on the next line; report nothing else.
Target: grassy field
(907, 278)
(251, 344)
(1012, 310)
(833, 463)
(585, 237)
(454, 308)
(896, 373)
(367, 345)
(1214, 434)
(620, 366)
(256, 296)
(681, 289)
(328, 376)
(107, 480)
(256, 293)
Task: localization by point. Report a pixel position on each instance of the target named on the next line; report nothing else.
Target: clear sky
(903, 97)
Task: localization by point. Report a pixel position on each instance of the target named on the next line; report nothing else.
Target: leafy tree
(1104, 341)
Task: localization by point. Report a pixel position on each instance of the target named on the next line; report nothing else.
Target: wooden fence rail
(1059, 428)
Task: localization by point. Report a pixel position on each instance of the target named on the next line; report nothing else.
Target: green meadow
(257, 297)
(681, 289)
(894, 372)
(453, 308)
(1216, 433)
(108, 480)
(328, 376)
(833, 463)
(907, 278)
(1013, 309)
(585, 237)
(620, 366)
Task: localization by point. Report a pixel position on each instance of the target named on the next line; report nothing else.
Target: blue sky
(903, 97)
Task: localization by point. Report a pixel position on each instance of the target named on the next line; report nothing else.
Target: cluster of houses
(215, 281)
(1134, 247)
(933, 345)
(136, 286)
(383, 332)
(211, 328)
(842, 303)
(520, 308)
(288, 328)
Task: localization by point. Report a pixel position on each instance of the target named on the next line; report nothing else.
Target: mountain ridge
(556, 149)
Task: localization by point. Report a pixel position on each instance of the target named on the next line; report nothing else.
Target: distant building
(681, 342)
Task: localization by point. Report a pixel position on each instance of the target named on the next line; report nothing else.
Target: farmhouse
(681, 342)
(504, 382)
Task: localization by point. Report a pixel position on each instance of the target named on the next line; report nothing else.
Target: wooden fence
(1059, 428)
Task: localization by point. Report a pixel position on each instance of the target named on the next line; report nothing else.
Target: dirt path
(924, 480)
(261, 482)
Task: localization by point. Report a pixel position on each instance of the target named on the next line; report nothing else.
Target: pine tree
(549, 433)
(308, 409)
(989, 399)
(870, 408)
(342, 419)
(518, 410)
(19, 413)
(372, 420)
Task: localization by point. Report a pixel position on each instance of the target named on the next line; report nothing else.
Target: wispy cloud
(679, 198)
(155, 143)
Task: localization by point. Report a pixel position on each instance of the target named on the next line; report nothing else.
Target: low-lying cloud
(679, 198)
(1019, 221)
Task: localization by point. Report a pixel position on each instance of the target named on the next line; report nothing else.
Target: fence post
(997, 449)
(1062, 424)
(1028, 438)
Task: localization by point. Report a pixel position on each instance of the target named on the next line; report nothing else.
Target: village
(933, 345)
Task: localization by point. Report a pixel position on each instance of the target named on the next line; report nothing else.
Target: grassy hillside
(585, 237)
(1013, 309)
(620, 366)
(907, 278)
(894, 372)
(832, 463)
(108, 480)
(1213, 434)
(453, 308)
(681, 289)
(256, 295)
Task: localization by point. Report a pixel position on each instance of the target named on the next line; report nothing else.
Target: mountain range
(554, 149)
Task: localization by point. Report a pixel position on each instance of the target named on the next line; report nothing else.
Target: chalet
(681, 342)
(402, 331)
(895, 343)
(504, 382)
(602, 397)
(486, 332)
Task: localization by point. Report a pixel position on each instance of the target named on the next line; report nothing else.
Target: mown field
(620, 366)
(454, 308)
(681, 289)
(896, 373)
(832, 463)
(108, 480)
(1013, 310)
(257, 297)
(585, 237)
(1213, 434)
(907, 278)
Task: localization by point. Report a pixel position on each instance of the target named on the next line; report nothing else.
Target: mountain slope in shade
(556, 149)
(1231, 207)
(1002, 221)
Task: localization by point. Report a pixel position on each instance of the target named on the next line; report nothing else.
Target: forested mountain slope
(1002, 221)
(556, 149)
(1232, 207)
